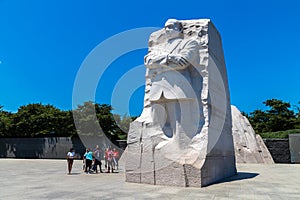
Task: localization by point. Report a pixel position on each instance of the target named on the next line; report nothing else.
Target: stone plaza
(188, 143)
(48, 179)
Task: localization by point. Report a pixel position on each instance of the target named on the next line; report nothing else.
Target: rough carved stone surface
(184, 134)
(249, 147)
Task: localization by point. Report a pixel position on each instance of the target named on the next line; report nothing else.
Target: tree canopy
(34, 120)
(279, 117)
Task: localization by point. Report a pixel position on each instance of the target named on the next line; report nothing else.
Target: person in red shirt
(116, 158)
(109, 161)
(105, 157)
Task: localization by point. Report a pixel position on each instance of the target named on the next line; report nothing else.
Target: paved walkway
(48, 179)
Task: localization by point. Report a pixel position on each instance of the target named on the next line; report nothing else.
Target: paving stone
(48, 179)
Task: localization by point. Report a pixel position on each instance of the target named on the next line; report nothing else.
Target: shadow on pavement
(74, 174)
(238, 176)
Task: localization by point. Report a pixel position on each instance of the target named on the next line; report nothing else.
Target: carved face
(173, 29)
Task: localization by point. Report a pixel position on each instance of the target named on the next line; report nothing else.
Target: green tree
(37, 119)
(5, 122)
(65, 124)
(106, 120)
(280, 115)
(258, 119)
(278, 118)
(297, 120)
(123, 123)
(88, 117)
(46, 120)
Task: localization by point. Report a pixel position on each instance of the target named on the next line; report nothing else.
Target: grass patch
(279, 134)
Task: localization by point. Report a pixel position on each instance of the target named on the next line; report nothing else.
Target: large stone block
(294, 141)
(184, 134)
(249, 147)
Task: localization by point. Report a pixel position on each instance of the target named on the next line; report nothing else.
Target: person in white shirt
(70, 159)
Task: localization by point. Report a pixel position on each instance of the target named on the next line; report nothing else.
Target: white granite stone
(184, 134)
(249, 147)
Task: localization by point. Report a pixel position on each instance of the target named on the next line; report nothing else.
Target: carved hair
(175, 21)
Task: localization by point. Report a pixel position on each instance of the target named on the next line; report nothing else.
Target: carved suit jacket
(171, 80)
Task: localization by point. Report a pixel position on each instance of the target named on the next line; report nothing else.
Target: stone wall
(279, 149)
(57, 147)
(44, 147)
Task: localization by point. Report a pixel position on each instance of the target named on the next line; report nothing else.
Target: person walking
(70, 160)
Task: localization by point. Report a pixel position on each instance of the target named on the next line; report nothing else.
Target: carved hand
(177, 60)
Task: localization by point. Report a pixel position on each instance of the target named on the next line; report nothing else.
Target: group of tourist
(93, 159)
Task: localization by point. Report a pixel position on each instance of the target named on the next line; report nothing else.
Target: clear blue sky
(43, 44)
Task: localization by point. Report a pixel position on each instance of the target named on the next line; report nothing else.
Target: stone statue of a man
(171, 93)
(184, 134)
